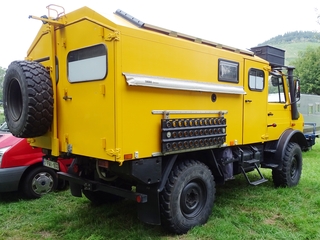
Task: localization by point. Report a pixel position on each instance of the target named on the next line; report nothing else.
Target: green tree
(308, 70)
(2, 73)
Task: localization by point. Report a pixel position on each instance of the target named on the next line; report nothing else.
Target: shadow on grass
(62, 216)
(84, 220)
(119, 220)
(8, 197)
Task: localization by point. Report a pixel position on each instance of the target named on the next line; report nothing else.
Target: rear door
(255, 103)
(86, 89)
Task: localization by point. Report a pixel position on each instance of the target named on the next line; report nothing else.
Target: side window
(228, 71)
(256, 80)
(276, 90)
(88, 64)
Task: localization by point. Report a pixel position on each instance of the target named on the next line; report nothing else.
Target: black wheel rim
(15, 100)
(294, 167)
(193, 199)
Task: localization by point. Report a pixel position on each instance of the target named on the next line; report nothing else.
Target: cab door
(85, 89)
(279, 110)
(255, 103)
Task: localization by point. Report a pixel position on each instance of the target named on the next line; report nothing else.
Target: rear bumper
(10, 178)
(96, 186)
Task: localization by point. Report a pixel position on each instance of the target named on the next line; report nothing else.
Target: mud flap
(149, 212)
(75, 189)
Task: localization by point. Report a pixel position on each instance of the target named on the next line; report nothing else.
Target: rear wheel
(188, 196)
(39, 181)
(290, 173)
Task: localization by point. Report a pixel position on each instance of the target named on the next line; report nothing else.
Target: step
(269, 165)
(255, 183)
(252, 161)
(270, 150)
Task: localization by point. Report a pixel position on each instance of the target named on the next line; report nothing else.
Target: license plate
(51, 164)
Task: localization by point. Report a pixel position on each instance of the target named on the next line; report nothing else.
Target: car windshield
(4, 127)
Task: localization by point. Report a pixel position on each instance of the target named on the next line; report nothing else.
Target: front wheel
(290, 173)
(39, 181)
(188, 196)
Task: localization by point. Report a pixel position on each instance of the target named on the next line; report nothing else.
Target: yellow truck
(154, 115)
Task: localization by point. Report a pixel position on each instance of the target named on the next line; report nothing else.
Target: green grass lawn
(240, 212)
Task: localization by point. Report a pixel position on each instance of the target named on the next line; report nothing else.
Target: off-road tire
(188, 197)
(27, 99)
(39, 181)
(290, 173)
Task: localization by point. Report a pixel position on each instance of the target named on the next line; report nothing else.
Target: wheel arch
(26, 172)
(206, 156)
(289, 135)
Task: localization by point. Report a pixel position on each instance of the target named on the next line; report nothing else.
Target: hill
(294, 42)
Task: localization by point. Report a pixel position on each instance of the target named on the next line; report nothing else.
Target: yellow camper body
(140, 106)
(113, 116)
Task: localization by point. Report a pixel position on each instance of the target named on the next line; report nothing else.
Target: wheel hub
(192, 199)
(294, 167)
(42, 183)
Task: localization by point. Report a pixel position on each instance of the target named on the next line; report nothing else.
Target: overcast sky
(237, 23)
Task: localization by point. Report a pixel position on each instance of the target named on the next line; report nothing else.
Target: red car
(21, 167)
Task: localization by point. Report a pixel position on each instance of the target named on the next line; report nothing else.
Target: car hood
(7, 139)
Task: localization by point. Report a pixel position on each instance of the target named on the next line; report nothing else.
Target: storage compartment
(273, 55)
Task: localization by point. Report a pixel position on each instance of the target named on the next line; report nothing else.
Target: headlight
(2, 151)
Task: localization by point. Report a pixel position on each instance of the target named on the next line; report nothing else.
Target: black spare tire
(27, 99)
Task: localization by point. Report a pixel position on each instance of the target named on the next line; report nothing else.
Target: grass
(240, 212)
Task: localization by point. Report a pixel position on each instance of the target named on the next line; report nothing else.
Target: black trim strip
(42, 59)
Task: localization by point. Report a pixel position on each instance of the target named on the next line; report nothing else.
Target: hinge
(112, 36)
(114, 152)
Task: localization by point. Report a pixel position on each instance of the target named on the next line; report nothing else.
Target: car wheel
(39, 181)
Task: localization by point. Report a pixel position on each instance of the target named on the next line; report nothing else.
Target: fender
(289, 135)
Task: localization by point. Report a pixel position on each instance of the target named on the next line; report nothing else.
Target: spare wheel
(27, 99)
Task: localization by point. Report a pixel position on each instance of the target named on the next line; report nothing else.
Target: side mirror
(274, 81)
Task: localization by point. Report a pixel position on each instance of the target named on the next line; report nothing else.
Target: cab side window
(276, 90)
(256, 80)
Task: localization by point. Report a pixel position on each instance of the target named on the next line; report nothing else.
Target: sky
(237, 23)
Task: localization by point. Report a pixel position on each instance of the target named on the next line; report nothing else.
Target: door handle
(248, 100)
(270, 114)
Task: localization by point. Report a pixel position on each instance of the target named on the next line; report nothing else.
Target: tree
(308, 70)
(2, 73)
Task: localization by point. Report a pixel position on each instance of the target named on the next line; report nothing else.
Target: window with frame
(256, 80)
(228, 71)
(88, 64)
(276, 89)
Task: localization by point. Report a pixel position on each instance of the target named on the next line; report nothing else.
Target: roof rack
(141, 24)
